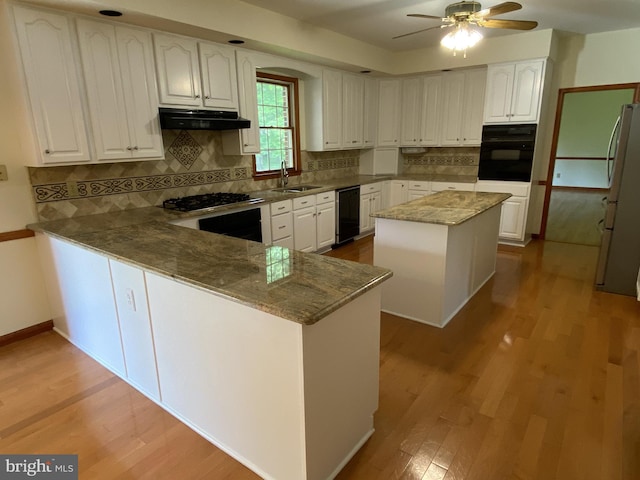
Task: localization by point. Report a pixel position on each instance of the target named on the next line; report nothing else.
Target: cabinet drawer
(370, 188)
(281, 226)
(413, 185)
(304, 202)
(517, 189)
(325, 197)
(282, 206)
(440, 186)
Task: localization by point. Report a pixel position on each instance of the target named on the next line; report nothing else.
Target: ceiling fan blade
(499, 9)
(420, 31)
(419, 15)
(510, 24)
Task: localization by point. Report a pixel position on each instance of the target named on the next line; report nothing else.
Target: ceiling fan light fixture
(462, 38)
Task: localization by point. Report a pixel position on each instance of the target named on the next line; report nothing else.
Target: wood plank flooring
(538, 377)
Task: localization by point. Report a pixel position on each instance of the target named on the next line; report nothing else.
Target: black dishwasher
(347, 214)
(243, 224)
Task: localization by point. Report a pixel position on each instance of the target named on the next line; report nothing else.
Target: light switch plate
(4, 176)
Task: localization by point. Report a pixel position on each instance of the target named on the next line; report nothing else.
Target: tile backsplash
(193, 164)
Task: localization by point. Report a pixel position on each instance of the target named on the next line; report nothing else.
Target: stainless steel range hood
(183, 119)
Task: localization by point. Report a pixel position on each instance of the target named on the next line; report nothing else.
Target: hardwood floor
(538, 377)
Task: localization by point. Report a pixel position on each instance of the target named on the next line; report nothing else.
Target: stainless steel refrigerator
(619, 260)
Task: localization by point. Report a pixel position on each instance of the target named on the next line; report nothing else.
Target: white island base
(436, 268)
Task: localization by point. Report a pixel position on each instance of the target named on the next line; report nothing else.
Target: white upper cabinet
(53, 86)
(370, 112)
(389, 99)
(178, 70)
(463, 100)
(431, 101)
(513, 92)
(121, 88)
(247, 140)
(332, 109)
(219, 79)
(352, 111)
(411, 111)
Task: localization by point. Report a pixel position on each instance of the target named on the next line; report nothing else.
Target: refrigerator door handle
(609, 156)
(603, 257)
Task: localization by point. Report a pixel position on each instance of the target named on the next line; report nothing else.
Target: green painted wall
(587, 120)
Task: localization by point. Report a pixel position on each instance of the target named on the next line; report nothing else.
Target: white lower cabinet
(81, 297)
(399, 192)
(418, 189)
(370, 202)
(314, 221)
(130, 294)
(282, 224)
(514, 209)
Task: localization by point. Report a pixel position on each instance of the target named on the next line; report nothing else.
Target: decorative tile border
(451, 160)
(112, 186)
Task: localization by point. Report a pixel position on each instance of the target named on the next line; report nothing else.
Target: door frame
(556, 132)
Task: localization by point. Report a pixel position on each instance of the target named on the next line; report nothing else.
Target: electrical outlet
(72, 189)
(558, 175)
(4, 176)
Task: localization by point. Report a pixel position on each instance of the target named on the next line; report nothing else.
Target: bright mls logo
(49, 467)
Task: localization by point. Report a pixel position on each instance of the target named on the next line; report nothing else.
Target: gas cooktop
(208, 201)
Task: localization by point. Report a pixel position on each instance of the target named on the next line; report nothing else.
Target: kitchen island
(269, 353)
(441, 248)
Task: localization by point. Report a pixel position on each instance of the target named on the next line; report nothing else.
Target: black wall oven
(506, 152)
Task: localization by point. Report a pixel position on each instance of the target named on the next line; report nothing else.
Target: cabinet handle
(319, 213)
(47, 151)
(246, 144)
(314, 214)
(281, 227)
(281, 208)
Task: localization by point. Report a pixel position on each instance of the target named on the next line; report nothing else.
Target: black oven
(506, 152)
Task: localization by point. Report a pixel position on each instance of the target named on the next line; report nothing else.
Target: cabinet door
(105, 92)
(376, 206)
(499, 92)
(219, 79)
(431, 111)
(178, 70)
(135, 51)
(452, 109)
(365, 210)
(52, 81)
(135, 326)
(398, 193)
(325, 225)
(527, 84)
(512, 219)
(248, 103)
(352, 110)
(410, 112)
(304, 229)
(332, 109)
(474, 88)
(388, 112)
(370, 112)
(286, 242)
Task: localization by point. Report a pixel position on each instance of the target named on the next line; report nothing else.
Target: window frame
(294, 122)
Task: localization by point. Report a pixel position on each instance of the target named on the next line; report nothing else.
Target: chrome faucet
(284, 175)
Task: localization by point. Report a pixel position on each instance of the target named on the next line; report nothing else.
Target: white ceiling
(377, 21)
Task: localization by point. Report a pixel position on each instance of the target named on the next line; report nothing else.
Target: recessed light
(236, 42)
(110, 13)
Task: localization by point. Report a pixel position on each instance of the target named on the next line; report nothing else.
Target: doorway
(577, 182)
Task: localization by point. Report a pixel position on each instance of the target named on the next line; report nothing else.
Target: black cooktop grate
(207, 200)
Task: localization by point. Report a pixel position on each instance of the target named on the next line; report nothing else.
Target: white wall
(22, 295)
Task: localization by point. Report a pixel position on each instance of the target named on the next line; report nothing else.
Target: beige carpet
(574, 216)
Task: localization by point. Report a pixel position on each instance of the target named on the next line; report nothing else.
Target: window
(277, 116)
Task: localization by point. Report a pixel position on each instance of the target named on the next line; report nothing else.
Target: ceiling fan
(464, 14)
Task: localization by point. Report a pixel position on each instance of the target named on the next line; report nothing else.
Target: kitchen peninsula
(441, 248)
(269, 353)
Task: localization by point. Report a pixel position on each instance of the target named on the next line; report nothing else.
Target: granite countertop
(444, 208)
(301, 287)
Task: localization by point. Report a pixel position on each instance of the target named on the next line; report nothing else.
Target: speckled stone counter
(445, 208)
(297, 286)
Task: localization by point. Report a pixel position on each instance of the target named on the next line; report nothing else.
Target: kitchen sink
(301, 188)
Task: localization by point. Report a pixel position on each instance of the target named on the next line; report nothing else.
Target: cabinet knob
(135, 148)
(47, 151)
(354, 141)
(319, 213)
(207, 97)
(197, 96)
(246, 144)
(129, 148)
